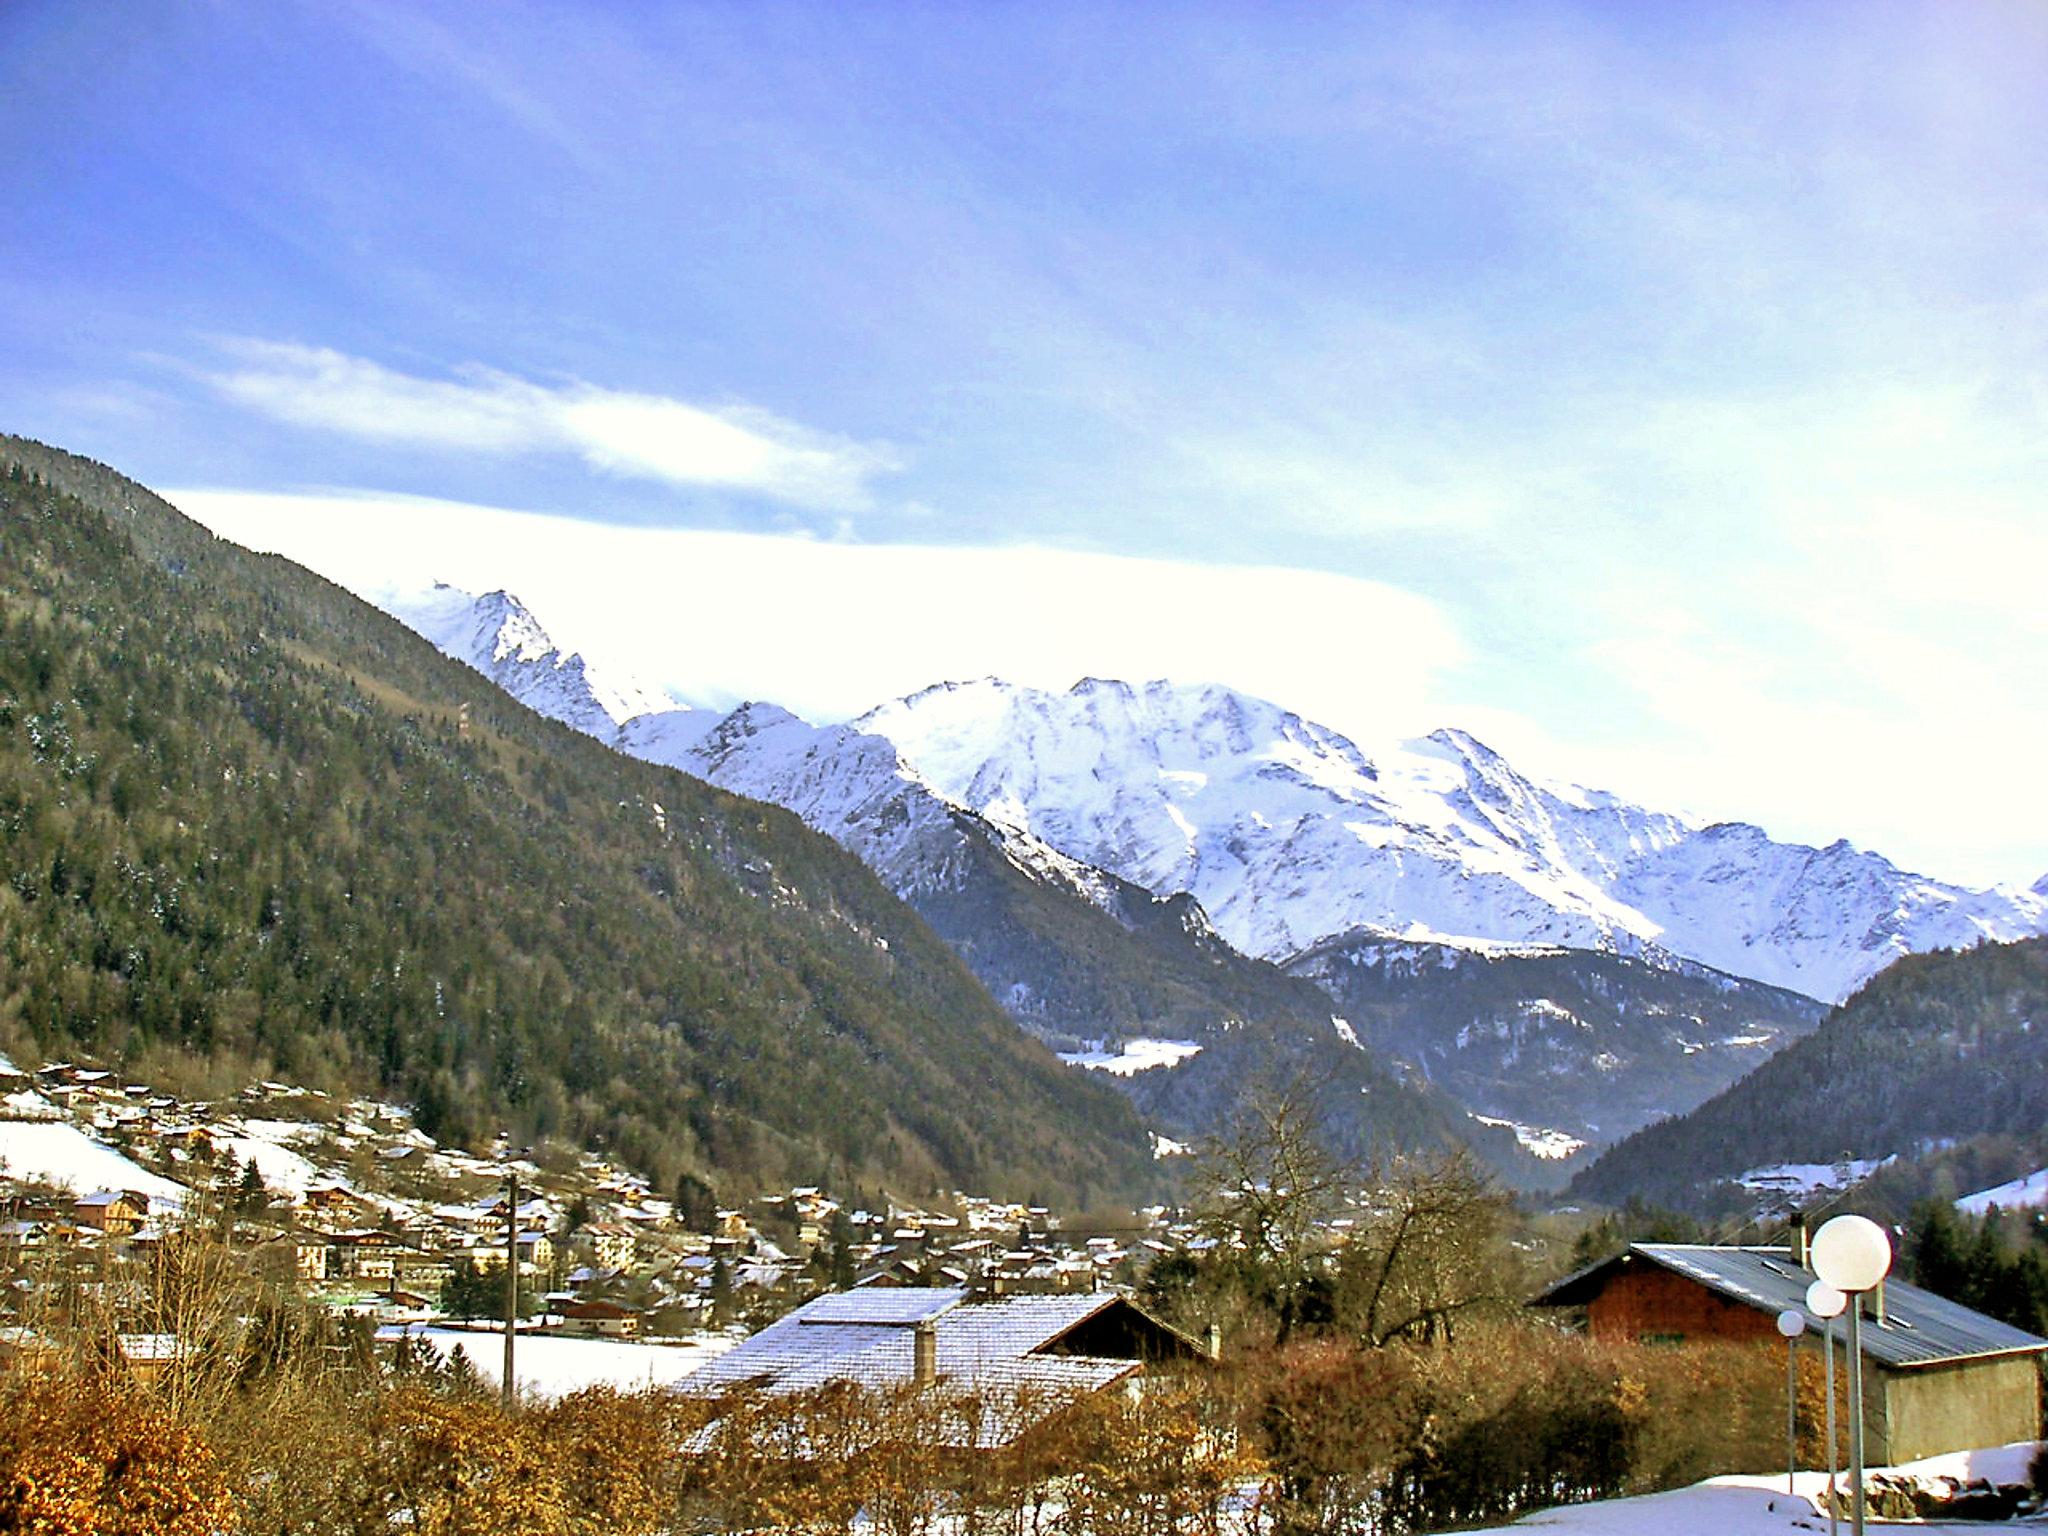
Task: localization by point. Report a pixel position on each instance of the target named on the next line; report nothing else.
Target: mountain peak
(498, 635)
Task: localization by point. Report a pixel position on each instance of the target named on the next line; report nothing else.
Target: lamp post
(1826, 1303)
(1791, 1324)
(1852, 1254)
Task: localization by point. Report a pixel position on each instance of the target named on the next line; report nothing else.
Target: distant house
(116, 1212)
(600, 1319)
(1022, 1358)
(610, 1244)
(1937, 1376)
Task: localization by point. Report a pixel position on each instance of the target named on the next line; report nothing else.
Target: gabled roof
(1920, 1328)
(995, 1350)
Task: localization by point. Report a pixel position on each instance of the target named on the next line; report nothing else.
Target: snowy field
(1136, 1056)
(52, 1152)
(1759, 1505)
(2027, 1194)
(1537, 1140)
(551, 1366)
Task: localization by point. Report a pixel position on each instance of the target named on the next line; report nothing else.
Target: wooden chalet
(1937, 1376)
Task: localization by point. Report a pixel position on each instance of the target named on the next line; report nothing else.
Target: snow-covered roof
(1919, 1327)
(999, 1351)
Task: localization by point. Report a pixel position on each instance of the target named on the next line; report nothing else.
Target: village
(354, 1208)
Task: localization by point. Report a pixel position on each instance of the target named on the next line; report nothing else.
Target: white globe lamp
(1824, 1301)
(1852, 1253)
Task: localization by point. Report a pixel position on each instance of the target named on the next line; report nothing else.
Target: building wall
(1954, 1407)
(1645, 1301)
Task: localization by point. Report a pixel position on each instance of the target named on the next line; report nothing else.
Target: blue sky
(1657, 391)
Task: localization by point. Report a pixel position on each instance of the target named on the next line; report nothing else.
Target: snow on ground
(1537, 1140)
(1136, 1056)
(281, 1167)
(550, 1366)
(54, 1153)
(1758, 1505)
(1805, 1178)
(2029, 1193)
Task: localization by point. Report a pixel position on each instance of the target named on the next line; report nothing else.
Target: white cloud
(1812, 709)
(480, 410)
(829, 629)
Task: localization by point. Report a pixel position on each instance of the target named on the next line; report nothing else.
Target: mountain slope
(1289, 834)
(1940, 1046)
(1079, 958)
(248, 820)
(1577, 1042)
(501, 639)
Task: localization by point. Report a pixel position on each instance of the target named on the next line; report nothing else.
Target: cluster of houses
(360, 1208)
(983, 1285)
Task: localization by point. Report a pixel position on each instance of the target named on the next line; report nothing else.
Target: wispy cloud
(480, 410)
(830, 629)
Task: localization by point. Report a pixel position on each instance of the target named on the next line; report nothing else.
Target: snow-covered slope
(850, 786)
(1285, 831)
(500, 637)
(1288, 833)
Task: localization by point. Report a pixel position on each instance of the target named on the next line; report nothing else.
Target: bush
(83, 1457)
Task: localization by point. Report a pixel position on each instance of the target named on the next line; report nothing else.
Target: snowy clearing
(550, 1366)
(1805, 1178)
(1136, 1056)
(1537, 1140)
(1757, 1504)
(2024, 1194)
(281, 1167)
(54, 1153)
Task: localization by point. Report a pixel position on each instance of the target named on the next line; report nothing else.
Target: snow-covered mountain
(500, 637)
(1288, 833)
(1081, 955)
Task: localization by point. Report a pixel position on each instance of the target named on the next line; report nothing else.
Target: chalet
(116, 1212)
(599, 1319)
(331, 1203)
(150, 1355)
(366, 1255)
(1022, 1359)
(610, 1244)
(1937, 1376)
(308, 1251)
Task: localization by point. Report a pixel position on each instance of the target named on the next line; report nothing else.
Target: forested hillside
(1580, 1041)
(1940, 1046)
(249, 823)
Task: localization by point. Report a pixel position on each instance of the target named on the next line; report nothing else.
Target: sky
(1657, 392)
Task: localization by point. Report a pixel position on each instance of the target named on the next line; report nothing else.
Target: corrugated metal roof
(1920, 1328)
(987, 1351)
(986, 1356)
(900, 1306)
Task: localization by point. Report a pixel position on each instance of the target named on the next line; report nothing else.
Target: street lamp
(1826, 1303)
(1791, 1324)
(1852, 1254)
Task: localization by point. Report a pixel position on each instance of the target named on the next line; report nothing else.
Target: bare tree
(1430, 1246)
(1270, 1187)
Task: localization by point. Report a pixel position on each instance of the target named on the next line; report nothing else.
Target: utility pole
(510, 1389)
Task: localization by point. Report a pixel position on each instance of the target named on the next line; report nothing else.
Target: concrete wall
(1951, 1408)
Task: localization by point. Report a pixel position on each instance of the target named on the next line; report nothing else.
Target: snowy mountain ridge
(1286, 832)
(1289, 833)
(499, 636)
